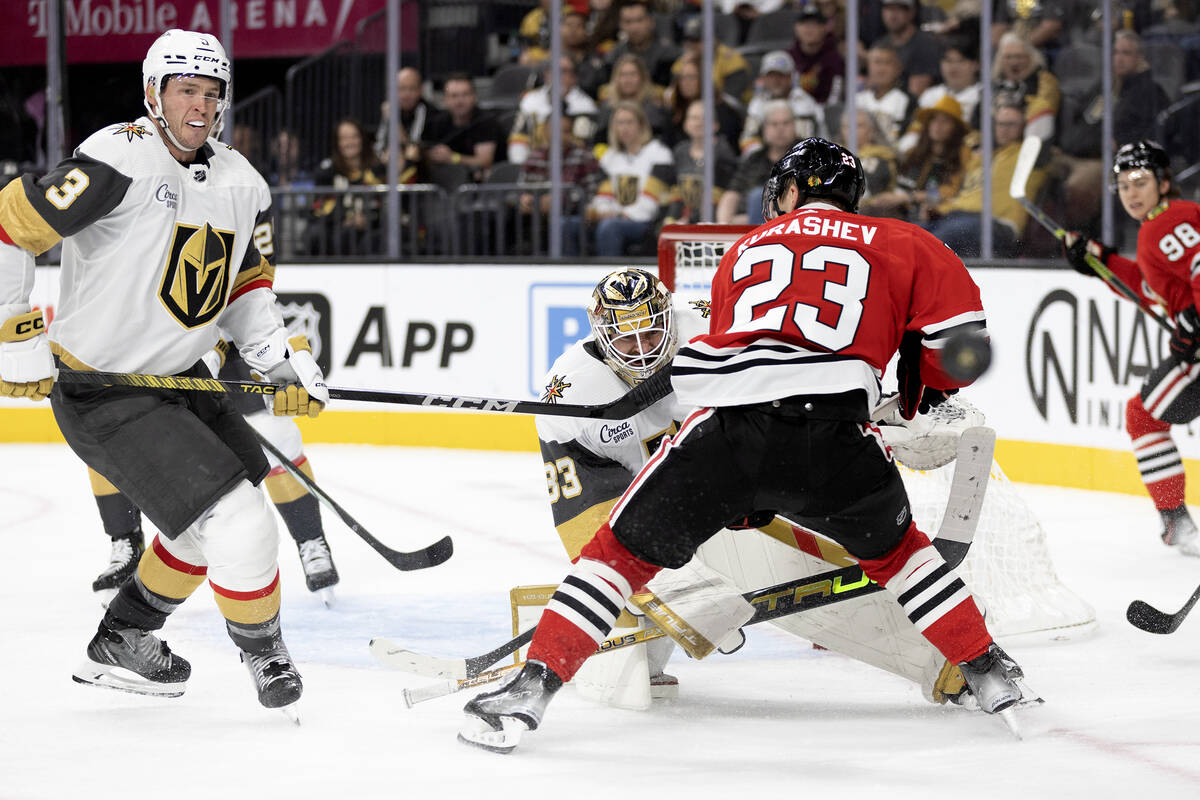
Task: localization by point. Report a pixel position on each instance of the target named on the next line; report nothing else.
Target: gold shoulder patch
(130, 129)
(703, 306)
(554, 389)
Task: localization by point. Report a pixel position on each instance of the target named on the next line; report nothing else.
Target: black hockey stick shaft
(430, 556)
(637, 399)
(1145, 616)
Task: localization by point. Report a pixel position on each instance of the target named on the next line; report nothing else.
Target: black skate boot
(275, 678)
(991, 679)
(1179, 531)
(122, 562)
(496, 720)
(135, 661)
(317, 561)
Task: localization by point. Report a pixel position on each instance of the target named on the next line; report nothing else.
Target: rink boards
(1067, 355)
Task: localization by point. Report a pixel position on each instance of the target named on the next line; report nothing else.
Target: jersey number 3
(846, 297)
(74, 182)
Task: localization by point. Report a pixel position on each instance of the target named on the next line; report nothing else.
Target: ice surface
(777, 716)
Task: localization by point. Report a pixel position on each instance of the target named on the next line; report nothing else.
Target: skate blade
(1009, 717)
(327, 597)
(292, 712)
(105, 596)
(478, 733)
(123, 680)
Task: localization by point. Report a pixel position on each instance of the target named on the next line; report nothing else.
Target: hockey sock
(160, 584)
(1157, 457)
(118, 514)
(932, 595)
(300, 510)
(583, 609)
(252, 618)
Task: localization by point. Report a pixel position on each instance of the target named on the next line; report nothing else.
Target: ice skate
(664, 686)
(122, 562)
(993, 681)
(133, 660)
(276, 679)
(1180, 532)
(496, 720)
(320, 574)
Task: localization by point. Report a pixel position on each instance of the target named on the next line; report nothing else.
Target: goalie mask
(634, 323)
(179, 52)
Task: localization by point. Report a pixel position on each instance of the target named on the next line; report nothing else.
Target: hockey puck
(966, 356)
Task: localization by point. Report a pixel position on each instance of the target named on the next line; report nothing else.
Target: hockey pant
(801, 456)
(1170, 396)
(235, 546)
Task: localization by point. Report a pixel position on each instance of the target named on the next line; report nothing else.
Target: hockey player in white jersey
(166, 234)
(636, 327)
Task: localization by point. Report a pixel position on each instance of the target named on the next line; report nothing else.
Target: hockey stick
(640, 397)
(967, 491)
(1026, 159)
(426, 557)
(1145, 616)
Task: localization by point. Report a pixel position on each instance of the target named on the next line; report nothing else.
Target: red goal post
(697, 246)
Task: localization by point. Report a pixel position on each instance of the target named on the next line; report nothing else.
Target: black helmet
(1143, 154)
(820, 169)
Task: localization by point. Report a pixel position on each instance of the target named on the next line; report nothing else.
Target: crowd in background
(633, 123)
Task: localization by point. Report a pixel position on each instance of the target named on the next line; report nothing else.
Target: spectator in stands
(834, 12)
(960, 80)
(590, 68)
(777, 81)
(534, 109)
(731, 73)
(284, 167)
(631, 83)
(883, 96)
(684, 89)
(819, 65)
(18, 130)
(1020, 68)
(638, 176)
(465, 133)
(748, 10)
(960, 217)
(1138, 100)
(245, 141)
(604, 26)
(580, 176)
(416, 113)
(639, 36)
(687, 204)
(347, 223)
(534, 34)
(879, 162)
(1040, 23)
(918, 50)
(932, 172)
(742, 203)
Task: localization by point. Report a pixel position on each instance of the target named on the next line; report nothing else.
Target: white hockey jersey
(154, 252)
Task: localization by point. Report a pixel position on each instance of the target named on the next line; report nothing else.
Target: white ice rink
(1122, 711)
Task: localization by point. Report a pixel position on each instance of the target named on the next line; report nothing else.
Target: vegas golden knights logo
(196, 279)
(627, 189)
(691, 189)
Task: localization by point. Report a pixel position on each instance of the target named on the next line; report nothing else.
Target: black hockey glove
(1076, 253)
(915, 396)
(1186, 338)
(932, 398)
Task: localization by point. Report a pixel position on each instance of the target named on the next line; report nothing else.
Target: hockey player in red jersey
(807, 310)
(1166, 273)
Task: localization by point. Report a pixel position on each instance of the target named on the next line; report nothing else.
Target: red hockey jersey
(816, 302)
(1168, 257)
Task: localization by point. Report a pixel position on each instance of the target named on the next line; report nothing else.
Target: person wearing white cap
(777, 81)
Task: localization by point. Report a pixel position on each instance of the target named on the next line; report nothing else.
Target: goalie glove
(26, 364)
(930, 439)
(289, 362)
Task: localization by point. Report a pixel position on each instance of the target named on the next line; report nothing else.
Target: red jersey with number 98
(816, 302)
(1168, 257)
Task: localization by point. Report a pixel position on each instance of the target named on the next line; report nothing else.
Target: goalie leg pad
(696, 607)
(932, 595)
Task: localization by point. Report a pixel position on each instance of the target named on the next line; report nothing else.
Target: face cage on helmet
(640, 365)
(218, 119)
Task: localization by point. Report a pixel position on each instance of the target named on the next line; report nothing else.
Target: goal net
(1009, 566)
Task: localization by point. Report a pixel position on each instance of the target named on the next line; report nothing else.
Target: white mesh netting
(1009, 566)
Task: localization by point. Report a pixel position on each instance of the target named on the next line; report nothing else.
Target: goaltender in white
(636, 327)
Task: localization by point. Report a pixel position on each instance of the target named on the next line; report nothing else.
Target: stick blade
(1026, 158)
(392, 654)
(1148, 618)
(437, 553)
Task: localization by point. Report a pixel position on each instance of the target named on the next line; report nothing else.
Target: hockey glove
(26, 365)
(1076, 247)
(290, 362)
(1185, 340)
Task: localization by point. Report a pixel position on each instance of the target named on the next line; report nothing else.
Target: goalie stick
(1145, 616)
(967, 490)
(426, 557)
(641, 397)
(1026, 159)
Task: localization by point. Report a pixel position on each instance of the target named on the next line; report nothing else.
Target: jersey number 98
(1175, 244)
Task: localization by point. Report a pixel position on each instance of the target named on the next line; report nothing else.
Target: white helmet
(634, 323)
(179, 52)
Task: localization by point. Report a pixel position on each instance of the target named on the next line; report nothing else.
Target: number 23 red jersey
(816, 302)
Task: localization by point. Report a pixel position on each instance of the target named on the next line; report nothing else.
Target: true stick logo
(824, 588)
